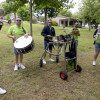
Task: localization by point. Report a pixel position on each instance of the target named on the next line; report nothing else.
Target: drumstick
(14, 33)
(49, 36)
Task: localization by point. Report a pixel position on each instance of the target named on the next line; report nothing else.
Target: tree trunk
(14, 17)
(46, 16)
(89, 26)
(96, 25)
(31, 17)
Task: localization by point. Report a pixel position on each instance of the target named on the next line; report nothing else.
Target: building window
(71, 23)
(62, 22)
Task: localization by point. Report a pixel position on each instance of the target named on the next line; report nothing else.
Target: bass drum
(24, 44)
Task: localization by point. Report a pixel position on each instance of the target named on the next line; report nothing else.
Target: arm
(95, 33)
(26, 34)
(10, 36)
(10, 33)
(53, 32)
(43, 33)
(77, 32)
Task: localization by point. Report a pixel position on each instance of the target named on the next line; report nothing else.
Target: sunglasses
(50, 22)
(18, 20)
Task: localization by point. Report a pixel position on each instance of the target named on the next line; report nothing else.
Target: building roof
(62, 17)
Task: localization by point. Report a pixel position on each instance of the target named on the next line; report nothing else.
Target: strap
(23, 30)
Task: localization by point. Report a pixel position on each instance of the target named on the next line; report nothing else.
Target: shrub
(7, 16)
(34, 20)
(54, 23)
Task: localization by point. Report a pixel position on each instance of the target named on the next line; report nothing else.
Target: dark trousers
(0, 27)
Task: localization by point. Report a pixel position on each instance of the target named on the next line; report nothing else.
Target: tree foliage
(65, 12)
(24, 13)
(1, 12)
(90, 11)
(10, 0)
(12, 6)
(48, 6)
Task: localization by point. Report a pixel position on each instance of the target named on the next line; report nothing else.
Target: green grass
(35, 83)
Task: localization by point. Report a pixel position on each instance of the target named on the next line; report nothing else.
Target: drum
(24, 44)
(64, 38)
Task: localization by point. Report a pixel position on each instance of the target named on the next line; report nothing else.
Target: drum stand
(70, 57)
(58, 53)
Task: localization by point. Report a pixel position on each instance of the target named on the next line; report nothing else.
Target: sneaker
(16, 67)
(94, 63)
(99, 63)
(51, 60)
(2, 91)
(44, 61)
(22, 66)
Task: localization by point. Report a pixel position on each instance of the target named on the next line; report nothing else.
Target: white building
(65, 21)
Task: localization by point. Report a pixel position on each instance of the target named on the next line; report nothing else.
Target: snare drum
(24, 44)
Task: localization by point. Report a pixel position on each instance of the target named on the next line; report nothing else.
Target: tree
(46, 5)
(90, 12)
(10, 0)
(38, 4)
(1, 12)
(11, 6)
(24, 13)
(65, 12)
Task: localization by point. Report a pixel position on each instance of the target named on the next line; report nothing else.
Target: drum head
(22, 42)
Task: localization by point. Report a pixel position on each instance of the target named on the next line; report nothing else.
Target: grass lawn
(35, 83)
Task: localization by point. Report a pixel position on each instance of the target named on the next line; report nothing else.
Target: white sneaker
(44, 61)
(2, 91)
(22, 66)
(51, 60)
(94, 63)
(16, 67)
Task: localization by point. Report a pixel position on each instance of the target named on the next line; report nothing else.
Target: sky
(77, 5)
(73, 10)
(2, 0)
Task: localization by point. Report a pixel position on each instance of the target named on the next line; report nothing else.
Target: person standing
(1, 23)
(2, 91)
(75, 31)
(96, 36)
(14, 32)
(48, 32)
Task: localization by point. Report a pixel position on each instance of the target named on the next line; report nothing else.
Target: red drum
(23, 44)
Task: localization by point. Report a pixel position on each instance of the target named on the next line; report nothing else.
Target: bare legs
(16, 58)
(96, 55)
(49, 54)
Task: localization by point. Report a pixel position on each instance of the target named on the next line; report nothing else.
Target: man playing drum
(14, 32)
(48, 32)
